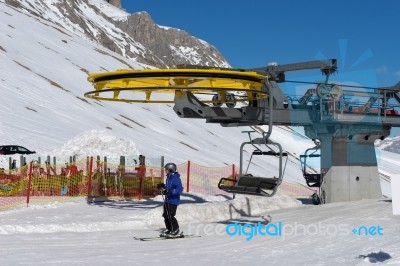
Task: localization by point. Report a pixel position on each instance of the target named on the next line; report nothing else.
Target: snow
(391, 144)
(95, 142)
(164, 27)
(189, 53)
(195, 207)
(74, 232)
(97, 22)
(111, 11)
(388, 164)
(395, 184)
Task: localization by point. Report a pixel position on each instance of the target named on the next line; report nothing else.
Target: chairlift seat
(313, 180)
(260, 186)
(247, 184)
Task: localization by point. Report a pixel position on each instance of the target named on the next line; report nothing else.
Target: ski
(165, 238)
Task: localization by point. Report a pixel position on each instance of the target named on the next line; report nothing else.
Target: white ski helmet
(170, 167)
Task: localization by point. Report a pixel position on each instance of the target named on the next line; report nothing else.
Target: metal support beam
(277, 72)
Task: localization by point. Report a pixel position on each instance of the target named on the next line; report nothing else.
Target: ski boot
(175, 233)
(165, 233)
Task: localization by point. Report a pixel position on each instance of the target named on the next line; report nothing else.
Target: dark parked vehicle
(13, 149)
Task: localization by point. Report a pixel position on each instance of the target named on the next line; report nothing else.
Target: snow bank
(77, 216)
(97, 142)
(223, 210)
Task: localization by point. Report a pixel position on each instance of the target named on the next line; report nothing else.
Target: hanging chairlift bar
(251, 185)
(312, 180)
(248, 184)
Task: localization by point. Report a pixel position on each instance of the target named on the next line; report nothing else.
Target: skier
(172, 191)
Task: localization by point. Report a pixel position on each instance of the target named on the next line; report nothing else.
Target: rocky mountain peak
(116, 3)
(135, 36)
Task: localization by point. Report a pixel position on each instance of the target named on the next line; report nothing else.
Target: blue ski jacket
(174, 187)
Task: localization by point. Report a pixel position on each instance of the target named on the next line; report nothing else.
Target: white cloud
(397, 73)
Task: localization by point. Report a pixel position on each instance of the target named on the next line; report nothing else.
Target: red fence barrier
(28, 193)
(188, 177)
(89, 185)
(202, 179)
(100, 179)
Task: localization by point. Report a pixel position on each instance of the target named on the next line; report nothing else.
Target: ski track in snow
(76, 233)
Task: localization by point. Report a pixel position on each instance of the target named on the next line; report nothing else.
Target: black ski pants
(169, 216)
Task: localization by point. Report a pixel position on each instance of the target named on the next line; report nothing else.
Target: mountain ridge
(135, 36)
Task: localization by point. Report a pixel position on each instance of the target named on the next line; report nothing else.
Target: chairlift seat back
(313, 180)
(257, 182)
(247, 184)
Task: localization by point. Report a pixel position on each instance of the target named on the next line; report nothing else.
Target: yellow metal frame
(245, 85)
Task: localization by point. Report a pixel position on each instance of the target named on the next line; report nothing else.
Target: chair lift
(312, 179)
(249, 184)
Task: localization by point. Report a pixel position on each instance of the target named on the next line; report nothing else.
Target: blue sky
(362, 35)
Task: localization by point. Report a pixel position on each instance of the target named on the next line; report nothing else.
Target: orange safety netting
(203, 179)
(42, 182)
(112, 180)
(55, 182)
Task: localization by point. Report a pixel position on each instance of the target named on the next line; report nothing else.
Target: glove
(166, 192)
(161, 185)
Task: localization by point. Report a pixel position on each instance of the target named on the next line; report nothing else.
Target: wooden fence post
(55, 165)
(121, 169)
(105, 175)
(90, 178)
(105, 166)
(141, 177)
(122, 164)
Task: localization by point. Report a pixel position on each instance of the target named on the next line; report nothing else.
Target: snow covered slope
(52, 234)
(390, 144)
(43, 75)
